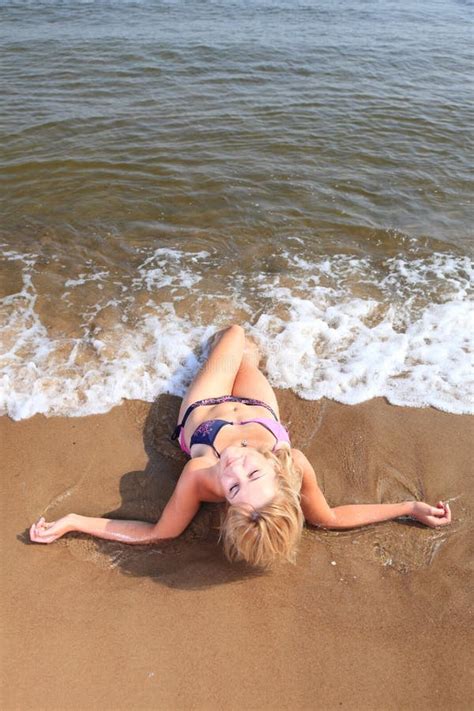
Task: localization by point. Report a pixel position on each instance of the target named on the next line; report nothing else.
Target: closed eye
(257, 471)
(234, 489)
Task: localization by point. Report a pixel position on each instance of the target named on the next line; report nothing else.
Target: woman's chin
(230, 453)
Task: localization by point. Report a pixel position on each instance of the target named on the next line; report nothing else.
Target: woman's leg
(250, 381)
(218, 373)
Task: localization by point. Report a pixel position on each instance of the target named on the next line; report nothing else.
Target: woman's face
(246, 476)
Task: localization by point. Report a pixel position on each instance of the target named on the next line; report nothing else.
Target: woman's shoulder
(297, 454)
(201, 469)
(302, 461)
(198, 465)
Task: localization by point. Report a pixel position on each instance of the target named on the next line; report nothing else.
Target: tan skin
(242, 475)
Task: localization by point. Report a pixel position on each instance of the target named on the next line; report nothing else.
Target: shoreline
(97, 624)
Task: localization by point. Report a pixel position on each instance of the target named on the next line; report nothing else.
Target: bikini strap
(180, 425)
(176, 432)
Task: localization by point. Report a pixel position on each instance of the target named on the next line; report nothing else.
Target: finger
(39, 535)
(44, 539)
(437, 522)
(43, 531)
(440, 510)
(45, 525)
(38, 538)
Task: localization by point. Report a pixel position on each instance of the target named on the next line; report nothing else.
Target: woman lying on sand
(240, 455)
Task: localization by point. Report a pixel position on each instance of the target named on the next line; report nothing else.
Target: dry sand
(376, 618)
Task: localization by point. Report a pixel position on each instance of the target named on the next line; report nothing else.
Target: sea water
(301, 168)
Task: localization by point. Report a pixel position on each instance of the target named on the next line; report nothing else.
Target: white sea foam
(166, 267)
(84, 278)
(342, 327)
(331, 352)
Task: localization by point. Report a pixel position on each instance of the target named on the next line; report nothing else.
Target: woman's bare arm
(318, 512)
(177, 515)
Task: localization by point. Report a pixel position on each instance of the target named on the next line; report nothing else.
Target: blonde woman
(241, 455)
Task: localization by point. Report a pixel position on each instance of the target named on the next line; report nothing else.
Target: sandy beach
(377, 618)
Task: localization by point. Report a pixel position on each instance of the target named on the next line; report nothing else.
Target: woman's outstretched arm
(178, 513)
(318, 512)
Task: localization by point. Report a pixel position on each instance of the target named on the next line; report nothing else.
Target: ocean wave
(344, 327)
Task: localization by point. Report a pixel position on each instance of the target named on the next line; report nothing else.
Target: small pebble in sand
(333, 562)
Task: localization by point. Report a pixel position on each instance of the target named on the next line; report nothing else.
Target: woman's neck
(211, 487)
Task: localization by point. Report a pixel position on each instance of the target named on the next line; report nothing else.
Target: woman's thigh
(218, 373)
(251, 382)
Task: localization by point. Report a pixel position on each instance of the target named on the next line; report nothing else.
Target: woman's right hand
(46, 532)
(432, 516)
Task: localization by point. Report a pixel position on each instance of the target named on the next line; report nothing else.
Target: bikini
(207, 431)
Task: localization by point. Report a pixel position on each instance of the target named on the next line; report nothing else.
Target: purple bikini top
(207, 431)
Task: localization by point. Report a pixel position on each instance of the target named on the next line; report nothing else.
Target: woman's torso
(253, 434)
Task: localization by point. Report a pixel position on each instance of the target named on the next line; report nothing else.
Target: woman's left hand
(46, 532)
(432, 516)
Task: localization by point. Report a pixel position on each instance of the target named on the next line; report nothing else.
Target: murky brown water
(168, 168)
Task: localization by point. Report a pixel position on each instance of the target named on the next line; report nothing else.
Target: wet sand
(377, 618)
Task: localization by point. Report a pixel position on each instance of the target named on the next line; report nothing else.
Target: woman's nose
(236, 469)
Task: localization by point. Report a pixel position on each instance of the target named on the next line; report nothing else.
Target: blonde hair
(272, 533)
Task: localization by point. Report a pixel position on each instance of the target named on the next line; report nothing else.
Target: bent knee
(235, 331)
(236, 328)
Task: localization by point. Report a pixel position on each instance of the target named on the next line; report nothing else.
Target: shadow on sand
(193, 561)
